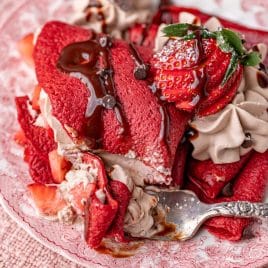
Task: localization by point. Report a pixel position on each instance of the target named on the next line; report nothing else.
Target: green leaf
(251, 59)
(231, 67)
(223, 43)
(189, 36)
(179, 30)
(208, 34)
(234, 40)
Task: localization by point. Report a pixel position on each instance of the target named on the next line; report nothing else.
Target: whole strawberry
(200, 70)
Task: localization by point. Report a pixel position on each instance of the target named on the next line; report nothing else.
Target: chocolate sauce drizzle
(262, 79)
(89, 62)
(141, 69)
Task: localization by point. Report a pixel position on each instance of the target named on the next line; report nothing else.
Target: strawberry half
(59, 166)
(47, 199)
(177, 73)
(190, 73)
(26, 47)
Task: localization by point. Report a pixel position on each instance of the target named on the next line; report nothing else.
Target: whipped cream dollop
(114, 16)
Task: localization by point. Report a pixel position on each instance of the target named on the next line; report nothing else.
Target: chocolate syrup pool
(89, 61)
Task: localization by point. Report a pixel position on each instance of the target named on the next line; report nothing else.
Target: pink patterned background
(16, 78)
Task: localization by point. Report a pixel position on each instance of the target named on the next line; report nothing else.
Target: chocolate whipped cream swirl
(112, 17)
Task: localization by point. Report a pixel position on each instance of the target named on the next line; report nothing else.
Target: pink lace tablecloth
(18, 249)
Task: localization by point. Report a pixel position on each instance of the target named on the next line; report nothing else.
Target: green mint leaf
(223, 43)
(179, 30)
(231, 67)
(251, 59)
(189, 36)
(207, 34)
(234, 40)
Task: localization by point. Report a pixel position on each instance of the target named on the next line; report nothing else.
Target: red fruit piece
(35, 98)
(25, 46)
(190, 74)
(250, 186)
(211, 177)
(221, 95)
(47, 199)
(59, 166)
(122, 195)
(175, 75)
(20, 138)
(99, 218)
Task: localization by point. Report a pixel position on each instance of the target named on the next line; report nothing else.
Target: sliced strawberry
(122, 195)
(250, 186)
(47, 199)
(99, 218)
(35, 98)
(222, 99)
(59, 166)
(211, 177)
(191, 76)
(20, 138)
(25, 46)
(177, 75)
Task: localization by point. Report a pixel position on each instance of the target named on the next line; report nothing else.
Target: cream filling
(116, 19)
(139, 218)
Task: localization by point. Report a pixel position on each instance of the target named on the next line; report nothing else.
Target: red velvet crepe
(249, 185)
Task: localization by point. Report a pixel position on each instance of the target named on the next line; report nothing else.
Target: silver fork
(186, 213)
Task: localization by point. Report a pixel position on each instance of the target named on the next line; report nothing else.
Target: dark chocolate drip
(89, 62)
(191, 133)
(262, 79)
(165, 117)
(141, 69)
(100, 15)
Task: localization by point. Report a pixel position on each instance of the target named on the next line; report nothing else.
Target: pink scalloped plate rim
(16, 78)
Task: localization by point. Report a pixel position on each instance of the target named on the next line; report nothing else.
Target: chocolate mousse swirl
(89, 61)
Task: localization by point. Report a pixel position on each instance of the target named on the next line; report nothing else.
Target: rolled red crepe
(249, 186)
(211, 177)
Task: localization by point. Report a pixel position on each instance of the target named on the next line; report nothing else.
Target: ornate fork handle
(239, 209)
